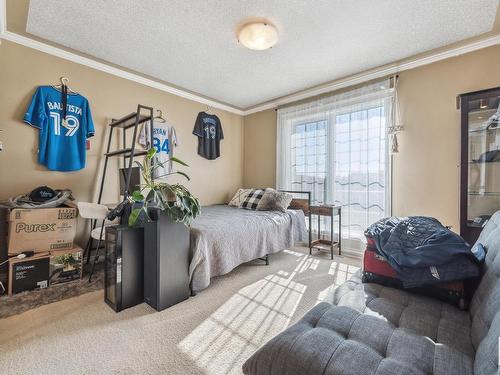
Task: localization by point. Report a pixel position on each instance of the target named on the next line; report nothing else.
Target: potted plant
(175, 200)
(166, 211)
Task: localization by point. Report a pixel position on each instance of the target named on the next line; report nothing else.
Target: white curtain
(336, 147)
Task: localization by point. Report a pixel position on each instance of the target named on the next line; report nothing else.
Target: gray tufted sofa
(371, 329)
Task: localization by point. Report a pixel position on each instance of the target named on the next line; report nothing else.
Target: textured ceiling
(192, 44)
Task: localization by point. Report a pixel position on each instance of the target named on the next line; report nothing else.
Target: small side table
(323, 243)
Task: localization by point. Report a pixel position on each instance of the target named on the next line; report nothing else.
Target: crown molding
(73, 57)
(305, 94)
(94, 64)
(378, 73)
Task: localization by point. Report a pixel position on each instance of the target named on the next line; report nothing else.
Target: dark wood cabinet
(166, 261)
(480, 160)
(124, 267)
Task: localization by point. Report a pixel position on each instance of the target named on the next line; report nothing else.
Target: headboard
(303, 204)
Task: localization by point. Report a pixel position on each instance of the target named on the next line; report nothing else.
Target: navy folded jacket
(423, 251)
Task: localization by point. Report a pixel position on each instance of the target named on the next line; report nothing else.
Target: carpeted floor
(21, 302)
(212, 333)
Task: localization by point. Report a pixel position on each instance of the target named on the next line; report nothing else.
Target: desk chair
(99, 213)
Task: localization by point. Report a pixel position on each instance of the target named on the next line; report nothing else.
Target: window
(337, 149)
(309, 156)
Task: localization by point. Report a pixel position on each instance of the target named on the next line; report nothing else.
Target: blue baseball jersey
(62, 145)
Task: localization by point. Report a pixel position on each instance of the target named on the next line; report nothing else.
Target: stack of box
(47, 236)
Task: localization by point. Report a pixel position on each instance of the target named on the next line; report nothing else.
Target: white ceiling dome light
(258, 35)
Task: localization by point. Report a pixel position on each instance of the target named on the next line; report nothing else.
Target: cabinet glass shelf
(480, 159)
(484, 130)
(486, 193)
(484, 162)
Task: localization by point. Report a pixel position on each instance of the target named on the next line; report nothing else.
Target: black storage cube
(124, 267)
(166, 261)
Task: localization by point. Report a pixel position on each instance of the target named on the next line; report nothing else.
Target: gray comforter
(224, 237)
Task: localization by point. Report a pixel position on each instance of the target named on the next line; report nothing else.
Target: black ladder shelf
(132, 120)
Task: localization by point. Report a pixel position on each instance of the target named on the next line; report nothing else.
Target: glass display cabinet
(480, 160)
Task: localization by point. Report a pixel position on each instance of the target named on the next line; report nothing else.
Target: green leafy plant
(174, 199)
(66, 259)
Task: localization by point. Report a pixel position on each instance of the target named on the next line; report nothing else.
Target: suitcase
(377, 270)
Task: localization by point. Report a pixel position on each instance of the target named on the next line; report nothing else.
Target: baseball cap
(42, 194)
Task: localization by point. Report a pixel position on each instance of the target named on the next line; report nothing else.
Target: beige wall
(425, 172)
(260, 149)
(23, 69)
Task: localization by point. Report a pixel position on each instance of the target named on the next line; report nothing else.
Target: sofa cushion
(485, 304)
(440, 322)
(341, 340)
(486, 361)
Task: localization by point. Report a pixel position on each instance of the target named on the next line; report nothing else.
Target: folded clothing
(416, 241)
(422, 251)
(59, 198)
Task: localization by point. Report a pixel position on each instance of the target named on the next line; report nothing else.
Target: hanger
(209, 109)
(494, 120)
(159, 116)
(64, 81)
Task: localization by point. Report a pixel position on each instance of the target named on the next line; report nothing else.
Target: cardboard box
(28, 273)
(66, 265)
(44, 269)
(41, 229)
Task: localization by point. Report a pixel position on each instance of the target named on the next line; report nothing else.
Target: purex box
(41, 229)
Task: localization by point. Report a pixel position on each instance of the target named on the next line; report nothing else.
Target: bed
(223, 237)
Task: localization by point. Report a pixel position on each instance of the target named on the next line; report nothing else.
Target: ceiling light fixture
(258, 36)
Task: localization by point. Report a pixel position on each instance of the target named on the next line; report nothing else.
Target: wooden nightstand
(322, 243)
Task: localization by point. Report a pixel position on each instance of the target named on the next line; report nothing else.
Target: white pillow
(274, 200)
(239, 197)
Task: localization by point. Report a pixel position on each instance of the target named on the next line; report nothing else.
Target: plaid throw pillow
(252, 200)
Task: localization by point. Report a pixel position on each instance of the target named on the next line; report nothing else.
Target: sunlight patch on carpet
(341, 272)
(251, 317)
(292, 252)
